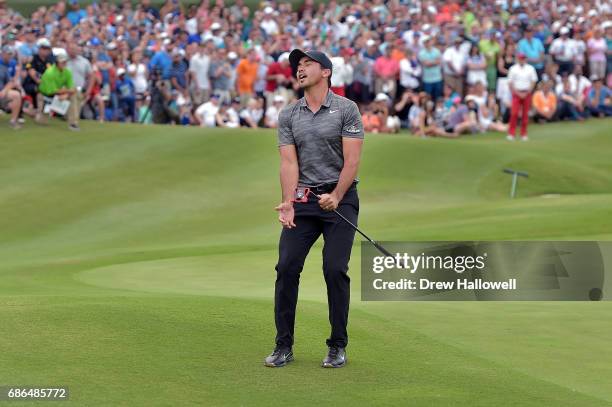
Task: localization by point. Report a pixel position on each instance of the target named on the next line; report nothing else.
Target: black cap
(318, 56)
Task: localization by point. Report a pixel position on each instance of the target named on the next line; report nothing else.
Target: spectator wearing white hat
(271, 117)
(206, 113)
(455, 61)
(57, 82)
(127, 96)
(268, 24)
(178, 72)
(390, 123)
(563, 52)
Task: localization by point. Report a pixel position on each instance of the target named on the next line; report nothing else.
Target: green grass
(138, 269)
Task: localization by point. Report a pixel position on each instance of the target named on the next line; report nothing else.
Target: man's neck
(315, 96)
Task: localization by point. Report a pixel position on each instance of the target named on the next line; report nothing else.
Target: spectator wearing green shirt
(489, 47)
(57, 81)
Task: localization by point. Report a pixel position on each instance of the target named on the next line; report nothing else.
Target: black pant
(311, 221)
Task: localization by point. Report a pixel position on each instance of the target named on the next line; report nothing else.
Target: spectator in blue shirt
(8, 61)
(76, 14)
(533, 48)
(161, 62)
(178, 71)
(127, 96)
(599, 99)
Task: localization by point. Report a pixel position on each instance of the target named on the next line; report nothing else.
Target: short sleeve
(285, 133)
(352, 126)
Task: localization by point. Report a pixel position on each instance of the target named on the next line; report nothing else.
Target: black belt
(327, 188)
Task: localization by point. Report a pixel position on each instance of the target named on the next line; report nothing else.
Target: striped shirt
(318, 136)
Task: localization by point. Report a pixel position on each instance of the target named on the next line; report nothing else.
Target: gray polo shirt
(318, 136)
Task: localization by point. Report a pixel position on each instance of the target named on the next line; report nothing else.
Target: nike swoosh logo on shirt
(333, 111)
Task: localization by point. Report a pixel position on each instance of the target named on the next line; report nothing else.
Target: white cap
(564, 31)
(579, 9)
(381, 97)
(425, 38)
(283, 57)
(167, 41)
(111, 46)
(370, 42)
(215, 26)
(43, 42)
(426, 27)
(232, 55)
(61, 55)
(469, 98)
(163, 34)
(351, 19)
(268, 10)
(120, 71)
(606, 24)
(555, 26)
(432, 10)
(592, 13)
(279, 98)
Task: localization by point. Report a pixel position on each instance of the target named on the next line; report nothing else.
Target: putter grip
(382, 249)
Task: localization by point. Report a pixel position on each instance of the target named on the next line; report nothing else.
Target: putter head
(301, 194)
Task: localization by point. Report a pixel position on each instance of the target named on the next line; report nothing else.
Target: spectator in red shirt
(279, 79)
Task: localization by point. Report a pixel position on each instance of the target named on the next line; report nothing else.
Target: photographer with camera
(161, 96)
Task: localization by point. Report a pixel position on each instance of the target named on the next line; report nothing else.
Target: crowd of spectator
(438, 68)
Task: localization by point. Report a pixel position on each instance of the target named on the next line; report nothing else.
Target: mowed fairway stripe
(136, 350)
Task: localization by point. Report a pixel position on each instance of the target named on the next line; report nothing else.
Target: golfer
(320, 139)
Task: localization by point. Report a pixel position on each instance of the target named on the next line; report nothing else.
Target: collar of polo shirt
(326, 103)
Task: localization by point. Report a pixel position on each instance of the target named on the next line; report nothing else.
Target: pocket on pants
(351, 197)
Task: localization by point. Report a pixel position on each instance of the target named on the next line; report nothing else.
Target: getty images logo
(411, 263)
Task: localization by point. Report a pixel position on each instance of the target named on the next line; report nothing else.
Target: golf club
(378, 246)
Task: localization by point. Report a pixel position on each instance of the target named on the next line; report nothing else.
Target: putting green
(138, 269)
